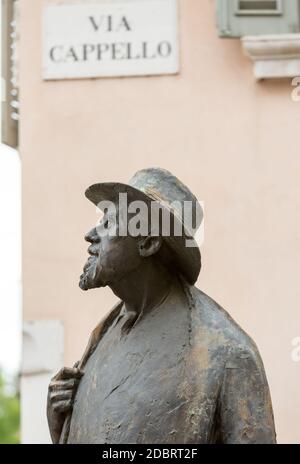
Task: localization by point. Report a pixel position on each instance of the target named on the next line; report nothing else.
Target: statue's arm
(245, 408)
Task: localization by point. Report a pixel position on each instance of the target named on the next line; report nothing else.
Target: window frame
(266, 12)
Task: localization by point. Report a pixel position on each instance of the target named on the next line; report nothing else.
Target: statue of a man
(168, 364)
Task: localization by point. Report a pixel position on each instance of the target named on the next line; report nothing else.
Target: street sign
(106, 39)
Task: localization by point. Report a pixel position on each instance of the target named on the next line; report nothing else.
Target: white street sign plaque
(110, 38)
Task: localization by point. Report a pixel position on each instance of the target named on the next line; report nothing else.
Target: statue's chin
(83, 284)
(87, 278)
(91, 277)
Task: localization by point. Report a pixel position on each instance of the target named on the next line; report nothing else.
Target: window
(237, 18)
(259, 7)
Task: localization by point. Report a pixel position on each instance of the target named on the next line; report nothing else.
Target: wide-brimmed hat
(159, 185)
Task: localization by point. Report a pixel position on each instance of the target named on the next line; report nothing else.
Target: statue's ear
(148, 246)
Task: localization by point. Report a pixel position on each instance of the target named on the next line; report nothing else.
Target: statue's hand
(61, 392)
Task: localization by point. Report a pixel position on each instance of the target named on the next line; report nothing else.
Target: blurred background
(95, 90)
(10, 250)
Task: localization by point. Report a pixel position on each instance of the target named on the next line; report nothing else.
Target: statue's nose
(92, 236)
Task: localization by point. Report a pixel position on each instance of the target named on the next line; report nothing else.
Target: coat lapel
(95, 338)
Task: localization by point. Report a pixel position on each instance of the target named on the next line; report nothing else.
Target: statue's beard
(90, 278)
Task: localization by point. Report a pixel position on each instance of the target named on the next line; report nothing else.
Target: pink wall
(232, 140)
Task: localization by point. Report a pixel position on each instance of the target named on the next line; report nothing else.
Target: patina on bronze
(168, 364)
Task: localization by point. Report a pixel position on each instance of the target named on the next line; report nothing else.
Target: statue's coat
(184, 373)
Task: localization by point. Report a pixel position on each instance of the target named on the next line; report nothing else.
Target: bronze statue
(168, 364)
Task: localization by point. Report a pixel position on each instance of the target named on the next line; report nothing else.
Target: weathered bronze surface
(168, 364)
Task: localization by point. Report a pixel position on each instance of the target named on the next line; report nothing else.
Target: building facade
(207, 118)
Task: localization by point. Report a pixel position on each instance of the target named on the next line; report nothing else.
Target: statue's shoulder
(219, 330)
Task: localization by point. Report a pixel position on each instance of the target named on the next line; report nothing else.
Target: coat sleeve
(245, 408)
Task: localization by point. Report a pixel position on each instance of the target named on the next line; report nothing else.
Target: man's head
(161, 200)
(113, 257)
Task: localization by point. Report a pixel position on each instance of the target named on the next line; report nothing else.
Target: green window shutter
(237, 18)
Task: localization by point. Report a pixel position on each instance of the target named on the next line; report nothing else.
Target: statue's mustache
(93, 250)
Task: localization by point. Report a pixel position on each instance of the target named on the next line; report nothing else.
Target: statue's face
(111, 257)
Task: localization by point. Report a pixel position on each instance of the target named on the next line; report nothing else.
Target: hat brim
(188, 258)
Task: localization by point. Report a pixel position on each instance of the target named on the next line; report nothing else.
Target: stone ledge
(274, 56)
